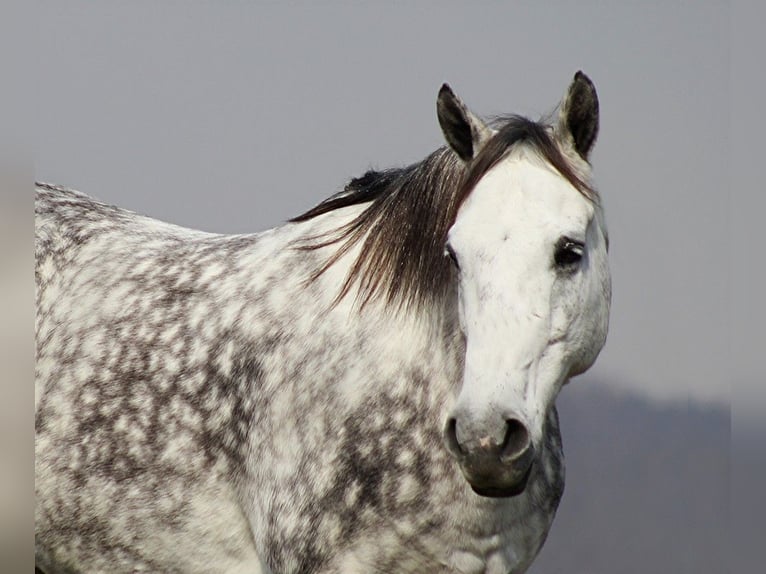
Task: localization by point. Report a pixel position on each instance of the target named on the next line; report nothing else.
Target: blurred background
(234, 116)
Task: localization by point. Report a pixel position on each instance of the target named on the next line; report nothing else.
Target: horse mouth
(501, 490)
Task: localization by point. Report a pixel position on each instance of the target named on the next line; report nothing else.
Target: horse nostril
(516, 440)
(450, 436)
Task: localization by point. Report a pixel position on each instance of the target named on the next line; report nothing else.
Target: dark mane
(410, 211)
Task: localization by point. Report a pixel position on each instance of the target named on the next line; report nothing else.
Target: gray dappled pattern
(201, 407)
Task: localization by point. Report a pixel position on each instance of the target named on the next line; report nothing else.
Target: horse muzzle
(496, 460)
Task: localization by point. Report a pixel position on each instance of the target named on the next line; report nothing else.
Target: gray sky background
(233, 116)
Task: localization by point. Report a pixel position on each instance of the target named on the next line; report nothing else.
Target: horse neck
(420, 337)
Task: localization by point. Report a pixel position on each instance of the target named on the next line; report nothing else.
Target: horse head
(529, 251)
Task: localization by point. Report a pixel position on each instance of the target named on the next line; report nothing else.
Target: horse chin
(502, 490)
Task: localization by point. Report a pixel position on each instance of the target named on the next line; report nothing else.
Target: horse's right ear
(465, 133)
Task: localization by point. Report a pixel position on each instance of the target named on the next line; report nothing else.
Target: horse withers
(368, 388)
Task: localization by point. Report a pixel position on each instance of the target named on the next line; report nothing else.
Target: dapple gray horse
(368, 388)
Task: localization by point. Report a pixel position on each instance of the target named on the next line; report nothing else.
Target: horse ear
(578, 115)
(465, 133)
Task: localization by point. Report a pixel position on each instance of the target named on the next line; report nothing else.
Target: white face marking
(529, 324)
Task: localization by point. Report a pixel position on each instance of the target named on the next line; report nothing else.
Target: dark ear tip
(445, 90)
(581, 76)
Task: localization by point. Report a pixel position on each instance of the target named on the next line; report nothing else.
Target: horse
(369, 387)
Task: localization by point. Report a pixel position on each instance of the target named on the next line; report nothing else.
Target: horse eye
(568, 253)
(449, 252)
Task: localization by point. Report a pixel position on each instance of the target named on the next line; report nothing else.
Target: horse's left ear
(578, 115)
(465, 133)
